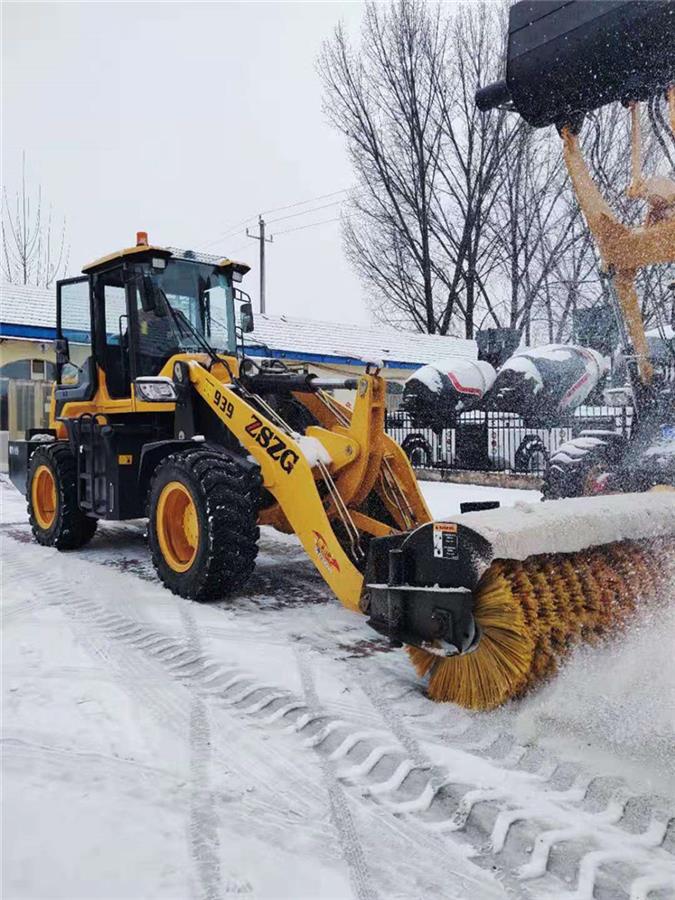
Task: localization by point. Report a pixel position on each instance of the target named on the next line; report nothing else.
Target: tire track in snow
(614, 852)
(339, 810)
(139, 674)
(25, 744)
(204, 837)
(481, 814)
(114, 630)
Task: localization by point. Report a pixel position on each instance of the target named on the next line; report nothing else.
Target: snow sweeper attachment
(490, 602)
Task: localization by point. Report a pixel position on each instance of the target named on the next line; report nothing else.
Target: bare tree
(31, 253)
(426, 161)
(471, 168)
(383, 100)
(461, 219)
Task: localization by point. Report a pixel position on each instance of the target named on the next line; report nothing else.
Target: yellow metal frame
(364, 454)
(364, 460)
(623, 249)
(103, 404)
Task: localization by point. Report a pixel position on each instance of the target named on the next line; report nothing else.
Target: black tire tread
(73, 529)
(413, 442)
(228, 500)
(565, 477)
(530, 445)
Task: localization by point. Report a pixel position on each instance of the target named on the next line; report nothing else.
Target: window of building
(38, 369)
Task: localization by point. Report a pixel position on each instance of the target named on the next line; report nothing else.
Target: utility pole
(263, 240)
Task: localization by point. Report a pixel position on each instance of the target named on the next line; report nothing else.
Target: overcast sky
(182, 119)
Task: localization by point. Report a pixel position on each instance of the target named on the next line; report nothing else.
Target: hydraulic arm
(321, 480)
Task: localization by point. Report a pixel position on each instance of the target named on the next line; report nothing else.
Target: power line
(305, 212)
(302, 227)
(225, 235)
(304, 202)
(229, 232)
(232, 229)
(237, 248)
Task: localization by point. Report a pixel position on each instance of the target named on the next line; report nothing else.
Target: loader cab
(130, 312)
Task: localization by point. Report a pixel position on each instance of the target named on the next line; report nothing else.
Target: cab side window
(75, 325)
(113, 340)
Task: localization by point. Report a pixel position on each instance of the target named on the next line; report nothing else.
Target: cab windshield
(201, 300)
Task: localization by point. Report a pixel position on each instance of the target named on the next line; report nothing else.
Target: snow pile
(313, 450)
(568, 526)
(444, 498)
(618, 696)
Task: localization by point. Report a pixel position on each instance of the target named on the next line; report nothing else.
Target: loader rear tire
(574, 467)
(55, 518)
(203, 523)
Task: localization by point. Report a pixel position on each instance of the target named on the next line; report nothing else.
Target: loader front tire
(202, 529)
(55, 518)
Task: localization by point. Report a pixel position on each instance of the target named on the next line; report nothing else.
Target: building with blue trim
(28, 329)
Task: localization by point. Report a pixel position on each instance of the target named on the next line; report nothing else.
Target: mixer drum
(435, 394)
(546, 382)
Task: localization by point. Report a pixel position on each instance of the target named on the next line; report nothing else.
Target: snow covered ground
(271, 746)
(444, 498)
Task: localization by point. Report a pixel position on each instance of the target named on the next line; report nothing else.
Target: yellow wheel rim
(43, 497)
(177, 526)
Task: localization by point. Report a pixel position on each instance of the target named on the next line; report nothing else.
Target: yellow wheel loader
(163, 415)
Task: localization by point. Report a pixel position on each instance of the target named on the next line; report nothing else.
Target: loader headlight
(155, 389)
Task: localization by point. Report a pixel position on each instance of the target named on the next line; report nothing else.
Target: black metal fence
(497, 441)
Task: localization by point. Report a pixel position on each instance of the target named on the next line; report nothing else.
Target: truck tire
(51, 487)
(203, 523)
(575, 465)
(531, 455)
(418, 450)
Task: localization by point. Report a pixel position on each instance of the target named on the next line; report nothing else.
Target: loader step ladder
(92, 480)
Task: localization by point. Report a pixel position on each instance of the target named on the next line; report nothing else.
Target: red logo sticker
(324, 554)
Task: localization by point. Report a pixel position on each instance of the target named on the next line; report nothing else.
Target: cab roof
(166, 252)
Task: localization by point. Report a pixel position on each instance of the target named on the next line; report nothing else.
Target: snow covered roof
(30, 312)
(28, 306)
(308, 339)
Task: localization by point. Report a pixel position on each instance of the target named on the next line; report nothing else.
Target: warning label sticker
(445, 540)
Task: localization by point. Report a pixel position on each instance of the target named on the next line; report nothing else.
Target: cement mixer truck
(535, 389)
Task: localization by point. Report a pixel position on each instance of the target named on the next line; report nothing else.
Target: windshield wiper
(184, 321)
